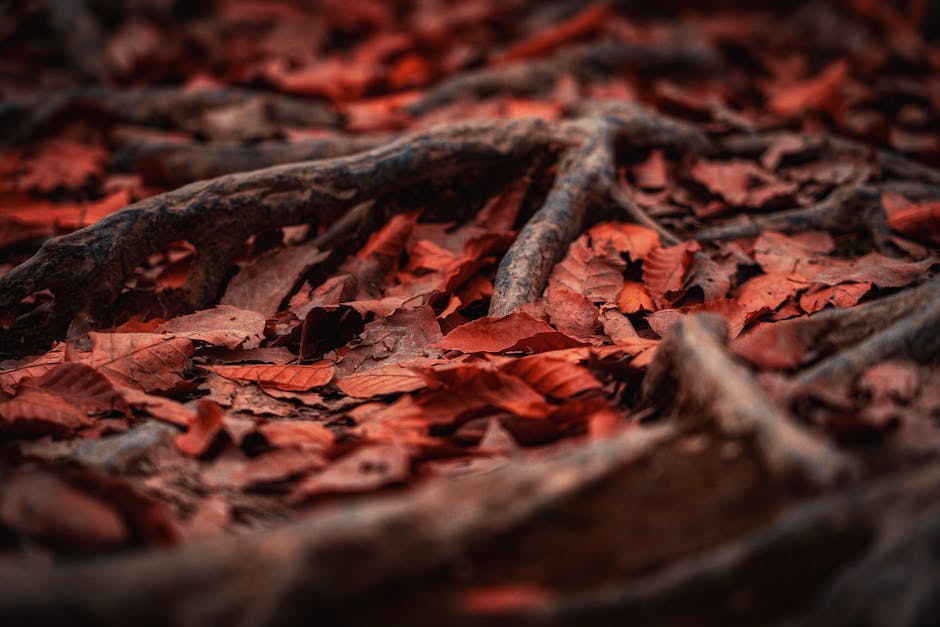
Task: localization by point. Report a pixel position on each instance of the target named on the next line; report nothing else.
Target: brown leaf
(264, 283)
(513, 332)
(391, 378)
(572, 313)
(921, 221)
(741, 183)
(664, 268)
(202, 430)
(652, 174)
(233, 470)
(634, 298)
(597, 274)
(552, 377)
(405, 334)
(380, 254)
(798, 257)
(46, 508)
(294, 378)
(767, 291)
(630, 239)
(145, 361)
(817, 93)
(35, 412)
(34, 368)
(366, 469)
(617, 326)
(471, 390)
(841, 295)
(161, 408)
(875, 268)
(303, 434)
(224, 325)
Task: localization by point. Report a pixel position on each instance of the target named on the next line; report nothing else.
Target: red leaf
(548, 39)
(290, 377)
(597, 274)
(388, 379)
(634, 240)
(303, 434)
(45, 507)
(553, 377)
(819, 93)
(263, 284)
(921, 221)
(741, 183)
(664, 268)
(651, 174)
(841, 295)
(366, 469)
(507, 598)
(220, 326)
(767, 291)
(634, 297)
(62, 163)
(470, 390)
(573, 314)
(203, 429)
(513, 332)
(144, 361)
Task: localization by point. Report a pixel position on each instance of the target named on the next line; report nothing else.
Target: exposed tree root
(526, 78)
(816, 539)
(250, 582)
(169, 107)
(848, 208)
(843, 342)
(911, 336)
(87, 269)
(891, 163)
(173, 164)
(692, 360)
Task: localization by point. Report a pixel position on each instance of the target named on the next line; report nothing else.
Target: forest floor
(478, 313)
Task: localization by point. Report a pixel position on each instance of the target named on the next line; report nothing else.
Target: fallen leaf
(818, 93)
(44, 507)
(264, 283)
(303, 434)
(145, 361)
(202, 431)
(366, 469)
(387, 379)
(224, 325)
(841, 296)
(295, 378)
(664, 268)
(557, 378)
(598, 275)
(513, 332)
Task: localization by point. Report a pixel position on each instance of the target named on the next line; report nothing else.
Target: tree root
(815, 539)
(848, 208)
(891, 163)
(172, 164)
(842, 343)
(168, 107)
(692, 360)
(526, 78)
(87, 269)
(361, 545)
(912, 335)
